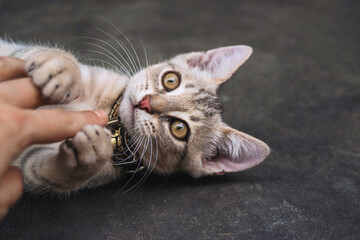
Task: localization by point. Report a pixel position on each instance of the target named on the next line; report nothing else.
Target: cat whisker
(109, 45)
(133, 175)
(156, 158)
(145, 54)
(125, 38)
(133, 152)
(156, 155)
(114, 57)
(138, 137)
(150, 169)
(104, 61)
(122, 69)
(124, 48)
(138, 141)
(131, 155)
(147, 170)
(133, 142)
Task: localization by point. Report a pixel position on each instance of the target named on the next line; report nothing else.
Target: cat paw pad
(56, 74)
(91, 147)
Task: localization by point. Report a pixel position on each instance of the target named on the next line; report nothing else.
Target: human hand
(21, 126)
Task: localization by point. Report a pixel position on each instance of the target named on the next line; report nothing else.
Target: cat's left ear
(221, 63)
(234, 151)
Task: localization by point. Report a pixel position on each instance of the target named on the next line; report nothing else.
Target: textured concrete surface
(299, 92)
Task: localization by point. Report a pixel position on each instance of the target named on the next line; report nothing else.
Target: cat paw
(56, 74)
(87, 151)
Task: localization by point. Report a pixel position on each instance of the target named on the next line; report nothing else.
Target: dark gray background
(299, 92)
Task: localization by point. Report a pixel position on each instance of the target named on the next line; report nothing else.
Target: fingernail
(101, 114)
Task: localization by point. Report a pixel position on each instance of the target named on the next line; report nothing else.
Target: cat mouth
(134, 105)
(128, 115)
(144, 104)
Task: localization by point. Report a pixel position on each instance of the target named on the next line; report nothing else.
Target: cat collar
(124, 155)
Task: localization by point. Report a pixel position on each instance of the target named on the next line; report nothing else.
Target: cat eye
(171, 81)
(179, 129)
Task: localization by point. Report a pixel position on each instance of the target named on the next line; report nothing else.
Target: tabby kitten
(171, 111)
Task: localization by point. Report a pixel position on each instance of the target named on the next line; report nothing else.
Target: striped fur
(85, 160)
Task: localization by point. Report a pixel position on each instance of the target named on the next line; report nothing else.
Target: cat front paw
(87, 152)
(56, 74)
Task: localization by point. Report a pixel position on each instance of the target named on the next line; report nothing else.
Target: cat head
(173, 114)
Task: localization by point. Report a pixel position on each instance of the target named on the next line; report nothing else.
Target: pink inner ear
(221, 164)
(210, 60)
(221, 63)
(235, 151)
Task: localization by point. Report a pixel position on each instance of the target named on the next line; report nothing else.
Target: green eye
(179, 129)
(171, 81)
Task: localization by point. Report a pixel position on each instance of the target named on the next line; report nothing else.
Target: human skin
(21, 125)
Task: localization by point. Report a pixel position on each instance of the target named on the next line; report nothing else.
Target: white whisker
(103, 61)
(132, 176)
(113, 56)
(146, 57)
(124, 48)
(146, 173)
(130, 147)
(123, 70)
(131, 155)
(108, 44)
(156, 158)
(125, 38)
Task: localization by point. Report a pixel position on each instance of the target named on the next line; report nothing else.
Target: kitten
(170, 110)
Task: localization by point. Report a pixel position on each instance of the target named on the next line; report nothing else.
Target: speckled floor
(299, 92)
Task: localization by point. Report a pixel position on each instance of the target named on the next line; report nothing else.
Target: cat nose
(144, 104)
(153, 104)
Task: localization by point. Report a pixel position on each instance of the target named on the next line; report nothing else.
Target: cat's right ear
(233, 151)
(220, 63)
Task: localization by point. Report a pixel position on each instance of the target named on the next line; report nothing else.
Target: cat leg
(84, 161)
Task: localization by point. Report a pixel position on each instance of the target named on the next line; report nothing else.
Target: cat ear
(221, 63)
(235, 151)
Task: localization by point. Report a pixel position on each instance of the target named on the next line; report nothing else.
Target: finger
(11, 186)
(21, 93)
(11, 68)
(52, 125)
